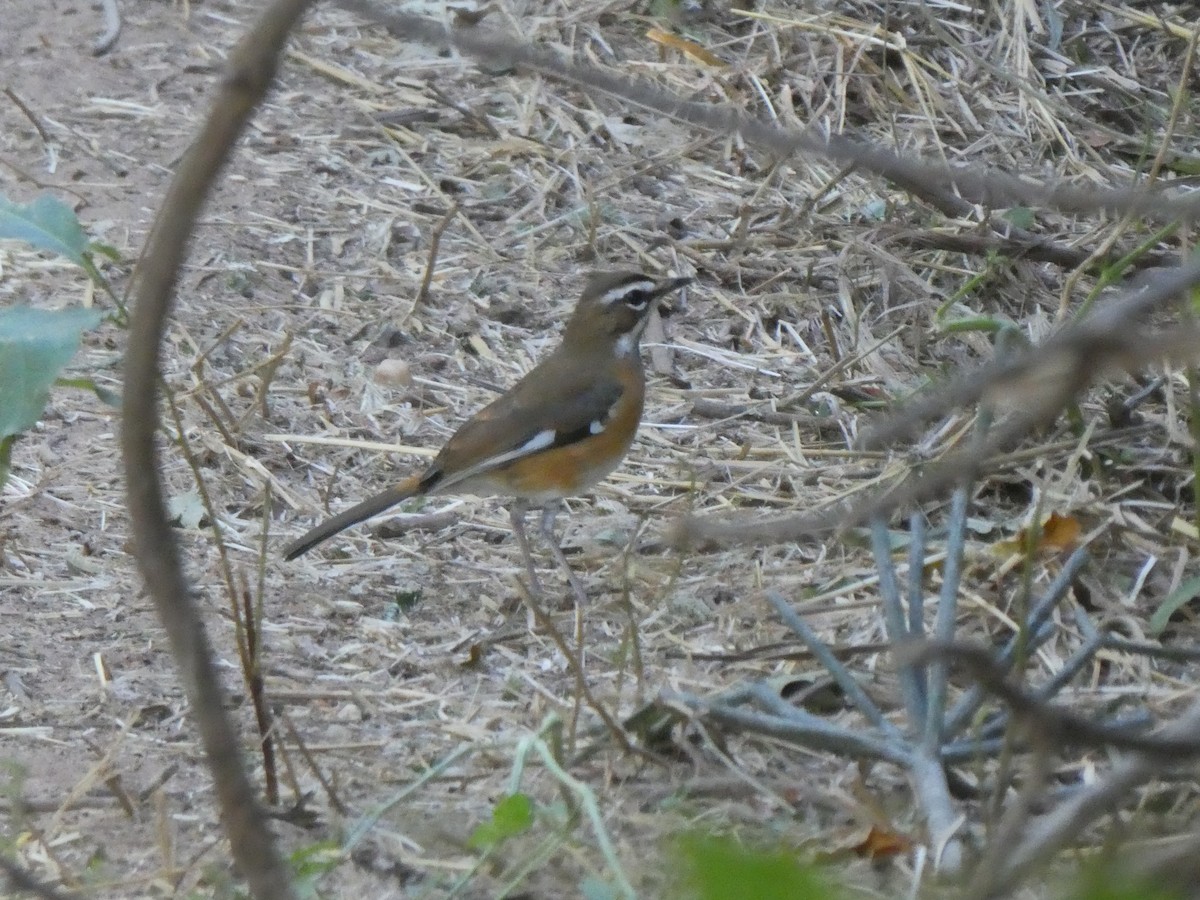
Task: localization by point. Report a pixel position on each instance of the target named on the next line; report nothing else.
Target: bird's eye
(637, 299)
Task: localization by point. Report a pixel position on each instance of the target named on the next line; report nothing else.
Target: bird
(558, 431)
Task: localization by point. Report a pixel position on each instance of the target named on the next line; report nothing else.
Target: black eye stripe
(633, 294)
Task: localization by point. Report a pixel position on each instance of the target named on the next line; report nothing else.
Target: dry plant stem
(112, 28)
(33, 118)
(252, 673)
(927, 771)
(1076, 661)
(289, 774)
(840, 673)
(1012, 824)
(240, 608)
(1154, 651)
(757, 412)
(547, 624)
(795, 727)
(895, 622)
(1047, 835)
(937, 181)
(253, 613)
(964, 710)
(1083, 351)
(249, 74)
(1055, 724)
(947, 612)
(480, 119)
(916, 569)
(928, 775)
(1058, 371)
(1017, 246)
(1178, 104)
(330, 792)
(435, 242)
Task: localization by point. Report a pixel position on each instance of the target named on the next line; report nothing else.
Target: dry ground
(386, 656)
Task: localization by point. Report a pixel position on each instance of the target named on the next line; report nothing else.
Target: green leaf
(107, 250)
(103, 394)
(34, 345)
(1020, 217)
(47, 224)
(1105, 880)
(6, 445)
(311, 863)
(717, 868)
(512, 816)
(986, 324)
(1171, 604)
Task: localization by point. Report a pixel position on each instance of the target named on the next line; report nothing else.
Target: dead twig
(435, 241)
(953, 188)
(250, 72)
(112, 28)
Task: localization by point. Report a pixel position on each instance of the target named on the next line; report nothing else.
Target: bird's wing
(520, 424)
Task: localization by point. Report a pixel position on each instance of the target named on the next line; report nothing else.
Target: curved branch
(249, 74)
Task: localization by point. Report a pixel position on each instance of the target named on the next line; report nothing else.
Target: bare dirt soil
(384, 657)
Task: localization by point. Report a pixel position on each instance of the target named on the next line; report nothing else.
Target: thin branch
(955, 189)
(1054, 724)
(249, 74)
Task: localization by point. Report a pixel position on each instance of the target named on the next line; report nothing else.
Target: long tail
(372, 506)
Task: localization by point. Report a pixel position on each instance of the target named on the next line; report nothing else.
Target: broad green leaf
(717, 868)
(34, 346)
(48, 224)
(512, 816)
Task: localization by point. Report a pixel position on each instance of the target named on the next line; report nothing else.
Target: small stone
(393, 373)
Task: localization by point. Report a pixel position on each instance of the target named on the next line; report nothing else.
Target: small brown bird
(563, 427)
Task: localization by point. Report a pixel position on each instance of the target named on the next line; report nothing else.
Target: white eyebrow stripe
(619, 293)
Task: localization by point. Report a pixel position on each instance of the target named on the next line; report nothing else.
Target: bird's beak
(671, 284)
(668, 286)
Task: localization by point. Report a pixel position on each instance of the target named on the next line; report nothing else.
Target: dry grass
(384, 658)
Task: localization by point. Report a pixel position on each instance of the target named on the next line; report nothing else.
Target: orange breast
(568, 471)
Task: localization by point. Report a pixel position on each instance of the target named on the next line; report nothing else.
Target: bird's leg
(517, 512)
(549, 511)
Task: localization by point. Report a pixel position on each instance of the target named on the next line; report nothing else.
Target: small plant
(49, 224)
(511, 816)
(35, 344)
(719, 868)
